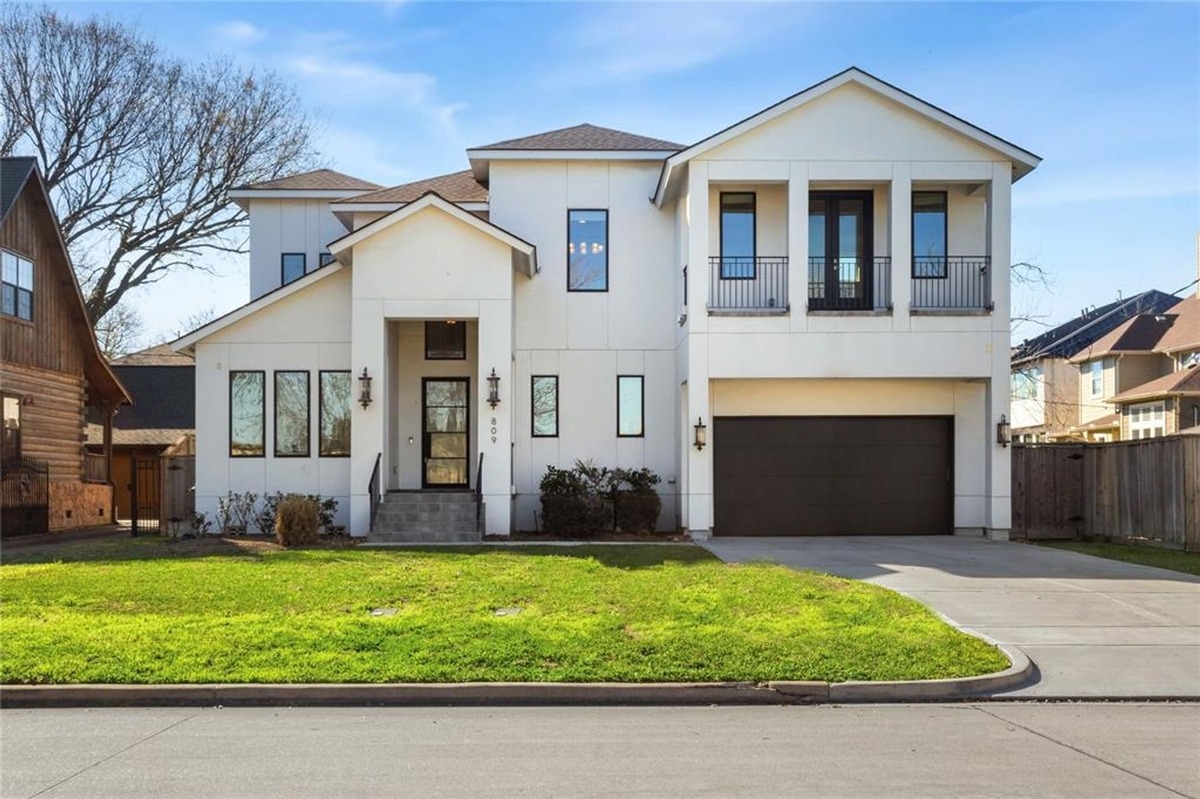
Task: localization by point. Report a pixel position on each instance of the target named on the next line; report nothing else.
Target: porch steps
(407, 517)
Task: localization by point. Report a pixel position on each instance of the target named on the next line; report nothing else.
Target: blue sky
(1107, 93)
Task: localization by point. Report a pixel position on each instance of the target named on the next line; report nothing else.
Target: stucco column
(900, 234)
(697, 234)
(699, 498)
(999, 226)
(797, 244)
(368, 348)
(494, 430)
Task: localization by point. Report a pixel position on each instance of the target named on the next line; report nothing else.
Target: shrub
(235, 512)
(588, 499)
(296, 520)
(636, 503)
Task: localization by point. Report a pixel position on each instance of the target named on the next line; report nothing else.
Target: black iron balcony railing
(748, 283)
(849, 284)
(952, 282)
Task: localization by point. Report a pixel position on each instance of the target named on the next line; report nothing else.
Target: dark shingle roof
(14, 171)
(316, 180)
(1072, 336)
(1185, 333)
(1139, 334)
(162, 355)
(164, 398)
(457, 187)
(583, 137)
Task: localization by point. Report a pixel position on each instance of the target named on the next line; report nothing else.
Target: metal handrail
(746, 283)
(952, 282)
(479, 492)
(373, 490)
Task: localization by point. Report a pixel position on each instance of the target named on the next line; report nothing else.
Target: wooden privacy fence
(1148, 489)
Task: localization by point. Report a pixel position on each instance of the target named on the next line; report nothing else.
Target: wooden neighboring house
(51, 370)
(161, 423)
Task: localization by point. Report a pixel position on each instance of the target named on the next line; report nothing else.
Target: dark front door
(840, 475)
(445, 429)
(840, 250)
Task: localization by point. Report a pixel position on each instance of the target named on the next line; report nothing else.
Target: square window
(630, 406)
(292, 267)
(445, 341)
(587, 250)
(545, 406)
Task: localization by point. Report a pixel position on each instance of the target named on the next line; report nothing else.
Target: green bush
(296, 520)
(588, 499)
(636, 503)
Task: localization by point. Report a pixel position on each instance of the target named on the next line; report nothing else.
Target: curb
(499, 694)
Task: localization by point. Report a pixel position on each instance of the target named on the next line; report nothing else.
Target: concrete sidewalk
(1094, 627)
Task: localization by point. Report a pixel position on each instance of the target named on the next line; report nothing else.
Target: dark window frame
(606, 249)
(263, 412)
(17, 288)
(18, 437)
(721, 235)
(460, 325)
(325, 259)
(307, 412)
(641, 413)
(283, 281)
(925, 274)
(321, 451)
(533, 406)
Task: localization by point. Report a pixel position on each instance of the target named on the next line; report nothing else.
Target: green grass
(1173, 559)
(156, 612)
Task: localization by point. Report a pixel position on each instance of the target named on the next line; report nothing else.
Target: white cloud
(239, 32)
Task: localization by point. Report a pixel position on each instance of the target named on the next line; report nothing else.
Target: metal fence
(856, 284)
(24, 497)
(955, 282)
(748, 284)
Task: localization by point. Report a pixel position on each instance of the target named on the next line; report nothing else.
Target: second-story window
(929, 233)
(16, 281)
(587, 250)
(325, 259)
(738, 238)
(292, 267)
(1096, 373)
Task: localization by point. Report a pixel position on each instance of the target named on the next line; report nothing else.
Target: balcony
(749, 286)
(850, 284)
(954, 283)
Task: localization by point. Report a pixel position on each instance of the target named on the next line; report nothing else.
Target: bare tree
(192, 321)
(119, 332)
(139, 149)
(1033, 277)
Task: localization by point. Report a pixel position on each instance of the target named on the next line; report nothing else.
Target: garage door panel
(832, 475)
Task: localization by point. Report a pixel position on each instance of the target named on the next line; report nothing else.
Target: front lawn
(151, 611)
(1173, 559)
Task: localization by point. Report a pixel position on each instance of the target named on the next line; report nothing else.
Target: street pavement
(1096, 628)
(928, 751)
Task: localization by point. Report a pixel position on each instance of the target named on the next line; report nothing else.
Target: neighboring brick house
(51, 369)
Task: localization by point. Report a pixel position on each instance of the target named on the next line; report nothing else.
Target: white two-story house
(800, 322)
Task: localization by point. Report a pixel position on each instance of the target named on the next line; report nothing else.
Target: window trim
(642, 413)
(457, 324)
(17, 289)
(606, 249)
(912, 222)
(283, 281)
(721, 236)
(1095, 374)
(229, 439)
(533, 406)
(307, 409)
(321, 408)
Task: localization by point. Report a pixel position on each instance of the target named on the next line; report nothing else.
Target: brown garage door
(823, 475)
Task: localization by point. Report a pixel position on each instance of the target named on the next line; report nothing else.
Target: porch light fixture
(493, 389)
(701, 434)
(1003, 431)
(364, 388)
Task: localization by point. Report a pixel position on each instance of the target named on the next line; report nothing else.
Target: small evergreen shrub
(636, 503)
(296, 520)
(588, 499)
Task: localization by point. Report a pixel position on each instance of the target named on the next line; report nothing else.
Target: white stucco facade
(913, 347)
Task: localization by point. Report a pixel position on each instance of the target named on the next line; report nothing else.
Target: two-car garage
(833, 475)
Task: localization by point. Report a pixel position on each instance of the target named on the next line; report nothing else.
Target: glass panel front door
(445, 429)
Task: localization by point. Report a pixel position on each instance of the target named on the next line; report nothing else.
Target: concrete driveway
(1094, 627)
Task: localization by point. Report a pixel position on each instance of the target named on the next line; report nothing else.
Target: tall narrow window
(1096, 374)
(334, 414)
(445, 341)
(16, 282)
(247, 414)
(929, 233)
(12, 427)
(291, 415)
(587, 250)
(292, 266)
(545, 406)
(630, 406)
(738, 237)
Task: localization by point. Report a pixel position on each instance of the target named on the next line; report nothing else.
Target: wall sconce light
(701, 434)
(493, 389)
(1003, 431)
(364, 388)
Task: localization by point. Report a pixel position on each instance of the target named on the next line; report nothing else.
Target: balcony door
(840, 249)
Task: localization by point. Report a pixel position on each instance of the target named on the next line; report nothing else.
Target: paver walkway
(1095, 627)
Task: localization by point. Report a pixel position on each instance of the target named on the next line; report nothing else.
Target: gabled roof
(1186, 381)
(525, 254)
(314, 180)
(1070, 337)
(21, 174)
(583, 137)
(457, 187)
(160, 355)
(1139, 334)
(1185, 333)
(1023, 161)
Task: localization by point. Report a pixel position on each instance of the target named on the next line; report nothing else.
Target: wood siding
(52, 422)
